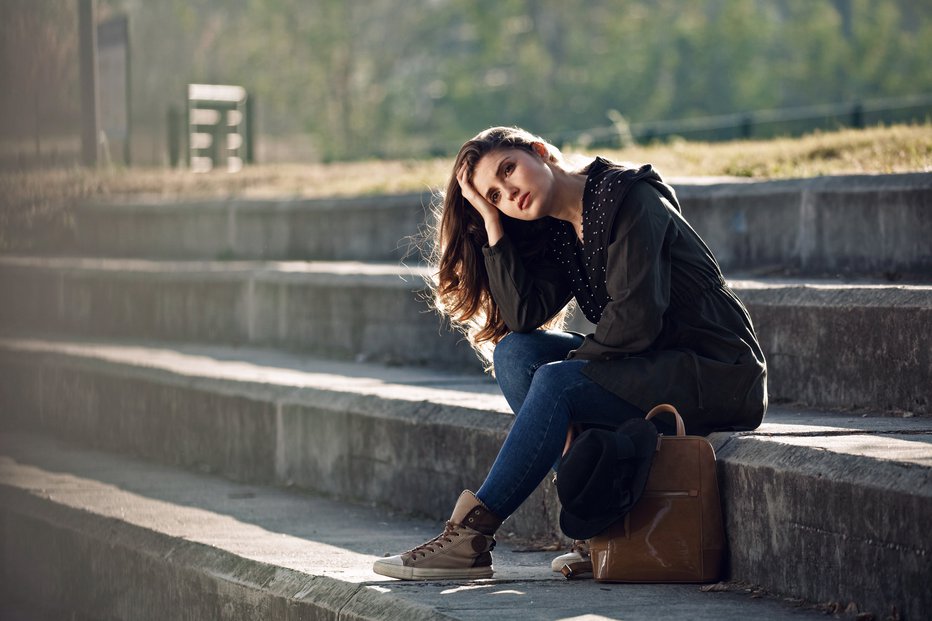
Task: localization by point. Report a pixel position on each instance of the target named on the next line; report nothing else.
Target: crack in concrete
(830, 433)
(890, 545)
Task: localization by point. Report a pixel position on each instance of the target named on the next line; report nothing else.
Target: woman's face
(517, 182)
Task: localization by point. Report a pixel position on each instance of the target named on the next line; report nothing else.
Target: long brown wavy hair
(460, 286)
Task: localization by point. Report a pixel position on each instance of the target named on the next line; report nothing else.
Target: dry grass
(900, 148)
(42, 199)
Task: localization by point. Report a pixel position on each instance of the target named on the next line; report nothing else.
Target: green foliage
(391, 78)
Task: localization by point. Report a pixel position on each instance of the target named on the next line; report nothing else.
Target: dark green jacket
(668, 328)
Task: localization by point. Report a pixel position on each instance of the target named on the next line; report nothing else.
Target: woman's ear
(543, 152)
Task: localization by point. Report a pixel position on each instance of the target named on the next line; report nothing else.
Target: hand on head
(486, 209)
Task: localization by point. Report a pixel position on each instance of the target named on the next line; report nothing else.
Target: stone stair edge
(385, 272)
(447, 393)
(842, 184)
(815, 458)
(253, 588)
(454, 399)
(166, 359)
(159, 204)
(686, 187)
(311, 272)
(777, 291)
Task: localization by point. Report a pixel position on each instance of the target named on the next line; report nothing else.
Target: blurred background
(338, 80)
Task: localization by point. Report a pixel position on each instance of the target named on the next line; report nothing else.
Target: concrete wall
(381, 228)
(858, 224)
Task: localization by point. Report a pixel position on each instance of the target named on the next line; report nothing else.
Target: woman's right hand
(488, 211)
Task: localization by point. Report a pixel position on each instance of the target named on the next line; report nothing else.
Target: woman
(521, 234)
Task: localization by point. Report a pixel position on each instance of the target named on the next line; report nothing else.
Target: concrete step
(828, 343)
(877, 225)
(846, 345)
(341, 309)
(859, 224)
(821, 506)
(104, 537)
(368, 228)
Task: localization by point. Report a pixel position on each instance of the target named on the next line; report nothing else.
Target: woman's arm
(526, 297)
(488, 211)
(638, 277)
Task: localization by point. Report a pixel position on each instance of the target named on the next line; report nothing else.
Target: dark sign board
(113, 86)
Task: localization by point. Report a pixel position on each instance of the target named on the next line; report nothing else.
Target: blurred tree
(343, 79)
(38, 71)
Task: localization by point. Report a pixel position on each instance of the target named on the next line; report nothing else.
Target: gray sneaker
(577, 560)
(463, 551)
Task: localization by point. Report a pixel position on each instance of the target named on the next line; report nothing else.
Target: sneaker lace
(449, 532)
(582, 547)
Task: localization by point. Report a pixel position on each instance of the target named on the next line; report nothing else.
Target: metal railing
(745, 124)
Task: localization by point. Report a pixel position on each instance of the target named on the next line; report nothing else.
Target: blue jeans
(546, 393)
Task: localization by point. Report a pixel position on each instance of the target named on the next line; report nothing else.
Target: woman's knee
(532, 349)
(513, 347)
(559, 375)
(549, 397)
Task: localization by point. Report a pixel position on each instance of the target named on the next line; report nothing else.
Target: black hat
(603, 475)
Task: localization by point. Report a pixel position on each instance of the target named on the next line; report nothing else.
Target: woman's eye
(509, 167)
(494, 198)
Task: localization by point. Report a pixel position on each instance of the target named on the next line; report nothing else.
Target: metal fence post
(747, 125)
(174, 136)
(857, 115)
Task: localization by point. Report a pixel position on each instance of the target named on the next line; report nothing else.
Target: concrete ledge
(411, 439)
(870, 224)
(847, 507)
(376, 228)
(845, 345)
(848, 345)
(828, 343)
(401, 438)
(851, 224)
(108, 537)
(346, 310)
(96, 560)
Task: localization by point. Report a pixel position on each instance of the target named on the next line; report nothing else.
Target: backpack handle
(573, 431)
(666, 407)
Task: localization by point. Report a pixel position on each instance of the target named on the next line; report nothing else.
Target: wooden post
(250, 134)
(87, 54)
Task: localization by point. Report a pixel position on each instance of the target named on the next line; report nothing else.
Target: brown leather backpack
(674, 533)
